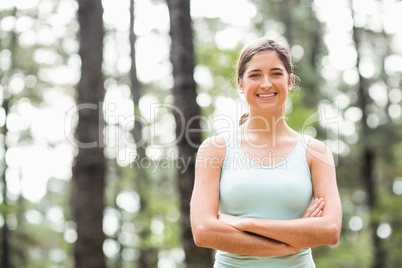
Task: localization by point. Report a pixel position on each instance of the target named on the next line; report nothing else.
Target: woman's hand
(315, 209)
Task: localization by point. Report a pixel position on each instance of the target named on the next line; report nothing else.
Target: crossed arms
(320, 224)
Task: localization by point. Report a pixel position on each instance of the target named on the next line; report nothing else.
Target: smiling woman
(265, 83)
(265, 194)
(272, 64)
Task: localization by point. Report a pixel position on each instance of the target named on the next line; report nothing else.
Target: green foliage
(221, 67)
(43, 243)
(348, 253)
(299, 116)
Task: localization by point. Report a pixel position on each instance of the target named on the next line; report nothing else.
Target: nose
(266, 82)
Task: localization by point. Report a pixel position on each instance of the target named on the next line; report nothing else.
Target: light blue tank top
(282, 191)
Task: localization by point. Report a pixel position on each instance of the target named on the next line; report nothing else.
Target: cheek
(248, 84)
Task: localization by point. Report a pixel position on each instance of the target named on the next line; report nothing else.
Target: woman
(266, 194)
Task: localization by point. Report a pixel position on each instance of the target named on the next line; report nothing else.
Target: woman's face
(265, 83)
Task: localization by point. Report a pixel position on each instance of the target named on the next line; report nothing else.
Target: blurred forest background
(103, 104)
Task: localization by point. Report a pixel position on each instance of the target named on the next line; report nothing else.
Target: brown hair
(263, 44)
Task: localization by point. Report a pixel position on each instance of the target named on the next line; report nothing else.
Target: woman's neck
(267, 120)
(265, 125)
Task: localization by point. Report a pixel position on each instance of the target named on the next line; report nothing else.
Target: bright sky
(31, 165)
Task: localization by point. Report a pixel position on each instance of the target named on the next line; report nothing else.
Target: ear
(290, 82)
(241, 89)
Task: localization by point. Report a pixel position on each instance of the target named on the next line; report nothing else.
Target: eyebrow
(273, 69)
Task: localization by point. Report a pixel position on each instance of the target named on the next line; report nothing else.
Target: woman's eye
(253, 75)
(277, 74)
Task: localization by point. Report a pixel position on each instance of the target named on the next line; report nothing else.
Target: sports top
(280, 191)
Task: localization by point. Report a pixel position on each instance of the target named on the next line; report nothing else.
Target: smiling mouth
(266, 95)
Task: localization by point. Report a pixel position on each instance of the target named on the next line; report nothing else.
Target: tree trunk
(90, 164)
(6, 246)
(148, 254)
(368, 156)
(286, 8)
(5, 207)
(187, 122)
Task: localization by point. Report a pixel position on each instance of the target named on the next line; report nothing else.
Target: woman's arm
(207, 230)
(307, 231)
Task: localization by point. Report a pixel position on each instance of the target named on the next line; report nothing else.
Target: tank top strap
(305, 139)
(232, 149)
(299, 155)
(230, 141)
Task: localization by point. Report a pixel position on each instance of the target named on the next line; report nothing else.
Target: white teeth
(266, 95)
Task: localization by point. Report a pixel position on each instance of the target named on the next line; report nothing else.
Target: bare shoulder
(315, 145)
(217, 142)
(319, 153)
(213, 149)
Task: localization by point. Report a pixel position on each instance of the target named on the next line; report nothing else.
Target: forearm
(316, 227)
(313, 229)
(300, 233)
(218, 235)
